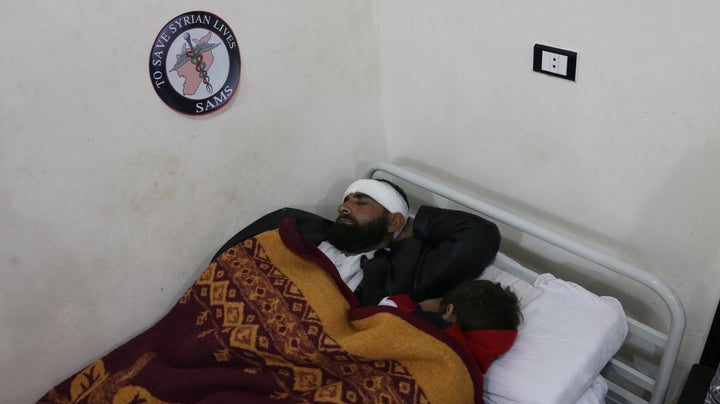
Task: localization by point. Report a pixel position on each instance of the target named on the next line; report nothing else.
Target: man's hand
(431, 305)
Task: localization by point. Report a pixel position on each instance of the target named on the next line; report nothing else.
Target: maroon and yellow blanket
(270, 320)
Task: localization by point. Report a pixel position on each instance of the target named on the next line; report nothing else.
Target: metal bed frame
(634, 385)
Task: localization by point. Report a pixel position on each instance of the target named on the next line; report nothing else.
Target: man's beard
(356, 238)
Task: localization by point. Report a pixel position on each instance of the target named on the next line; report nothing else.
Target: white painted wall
(628, 153)
(111, 203)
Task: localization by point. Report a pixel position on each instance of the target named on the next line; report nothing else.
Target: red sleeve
(486, 345)
(404, 302)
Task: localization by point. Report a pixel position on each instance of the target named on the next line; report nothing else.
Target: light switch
(554, 61)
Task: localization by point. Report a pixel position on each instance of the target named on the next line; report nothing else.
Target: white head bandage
(382, 192)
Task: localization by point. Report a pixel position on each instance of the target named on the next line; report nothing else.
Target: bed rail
(670, 342)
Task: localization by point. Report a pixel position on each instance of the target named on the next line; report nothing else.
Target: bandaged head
(383, 193)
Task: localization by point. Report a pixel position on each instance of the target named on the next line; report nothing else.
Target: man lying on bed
(379, 252)
(271, 318)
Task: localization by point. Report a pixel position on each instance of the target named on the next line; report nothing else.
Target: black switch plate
(571, 61)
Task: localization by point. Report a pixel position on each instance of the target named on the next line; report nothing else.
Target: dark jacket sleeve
(458, 247)
(309, 224)
(447, 247)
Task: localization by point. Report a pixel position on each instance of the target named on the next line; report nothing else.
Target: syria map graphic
(195, 63)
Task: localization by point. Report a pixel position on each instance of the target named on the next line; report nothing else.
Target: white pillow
(567, 336)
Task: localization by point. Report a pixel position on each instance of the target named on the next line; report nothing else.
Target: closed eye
(358, 199)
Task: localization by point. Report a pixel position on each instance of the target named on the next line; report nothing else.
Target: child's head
(482, 305)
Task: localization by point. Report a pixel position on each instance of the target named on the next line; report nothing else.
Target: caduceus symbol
(193, 54)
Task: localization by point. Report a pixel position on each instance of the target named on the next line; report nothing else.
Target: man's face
(359, 209)
(361, 225)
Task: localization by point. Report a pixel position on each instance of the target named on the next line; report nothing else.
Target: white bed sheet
(567, 336)
(596, 393)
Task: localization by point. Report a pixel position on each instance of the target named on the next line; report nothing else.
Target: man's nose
(343, 209)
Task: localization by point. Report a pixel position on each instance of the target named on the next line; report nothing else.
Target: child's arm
(402, 302)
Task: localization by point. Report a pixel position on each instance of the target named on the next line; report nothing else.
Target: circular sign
(195, 63)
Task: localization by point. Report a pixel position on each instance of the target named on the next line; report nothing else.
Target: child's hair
(483, 305)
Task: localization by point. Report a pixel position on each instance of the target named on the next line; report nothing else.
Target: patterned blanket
(270, 320)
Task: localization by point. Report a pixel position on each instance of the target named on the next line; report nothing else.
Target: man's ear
(396, 222)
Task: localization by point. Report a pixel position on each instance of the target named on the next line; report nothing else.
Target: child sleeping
(480, 314)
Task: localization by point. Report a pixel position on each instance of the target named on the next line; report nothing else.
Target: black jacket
(447, 247)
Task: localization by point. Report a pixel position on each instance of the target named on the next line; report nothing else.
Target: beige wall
(111, 203)
(625, 158)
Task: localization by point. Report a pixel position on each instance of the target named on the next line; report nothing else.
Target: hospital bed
(270, 319)
(573, 346)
